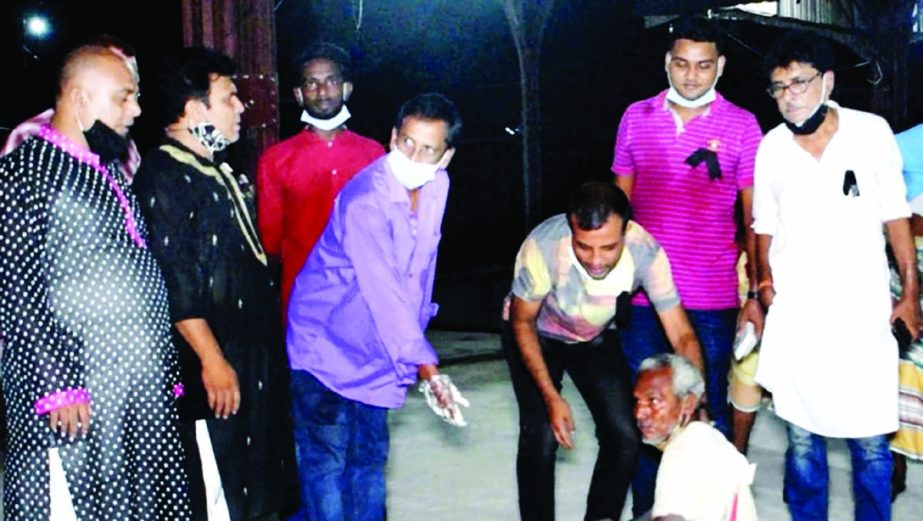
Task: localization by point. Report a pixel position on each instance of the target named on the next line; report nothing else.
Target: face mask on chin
(410, 174)
(108, 144)
(209, 137)
(810, 125)
(814, 121)
(327, 124)
(709, 96)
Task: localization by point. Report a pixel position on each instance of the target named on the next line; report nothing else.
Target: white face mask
(327, 124)
(674, 96)
(409, 173)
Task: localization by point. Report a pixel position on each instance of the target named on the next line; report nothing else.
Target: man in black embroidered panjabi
(84, 317)
(223, 303)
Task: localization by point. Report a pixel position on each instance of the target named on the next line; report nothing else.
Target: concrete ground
(439, 472)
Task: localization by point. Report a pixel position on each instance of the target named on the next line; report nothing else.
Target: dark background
(597, 58)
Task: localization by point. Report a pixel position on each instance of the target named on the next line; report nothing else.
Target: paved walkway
(438, 472)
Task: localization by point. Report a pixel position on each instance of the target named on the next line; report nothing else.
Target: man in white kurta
(702, 477)
(826, 184)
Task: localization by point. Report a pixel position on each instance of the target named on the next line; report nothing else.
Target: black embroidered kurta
(83, 307)
(203, 234)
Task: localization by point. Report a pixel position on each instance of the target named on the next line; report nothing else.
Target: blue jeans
(644, 337)
(806, 476)
(341, 447)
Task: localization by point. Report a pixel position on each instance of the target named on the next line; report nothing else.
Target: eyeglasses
(797, 86)
(414, 150)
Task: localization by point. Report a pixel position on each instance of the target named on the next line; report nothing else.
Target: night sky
(597, 59)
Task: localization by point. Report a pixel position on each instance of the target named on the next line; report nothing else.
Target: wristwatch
(755, 295)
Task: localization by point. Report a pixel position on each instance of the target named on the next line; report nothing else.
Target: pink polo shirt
(690, 215)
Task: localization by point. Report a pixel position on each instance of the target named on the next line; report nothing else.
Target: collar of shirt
(78, 152)
(715, 106)
(313, 138)
(217, 162)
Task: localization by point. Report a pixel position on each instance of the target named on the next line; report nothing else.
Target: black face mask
(810, 125)
(105, 142)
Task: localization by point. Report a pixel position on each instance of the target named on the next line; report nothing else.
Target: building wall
(817, 11)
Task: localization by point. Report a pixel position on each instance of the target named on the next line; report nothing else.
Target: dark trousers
(600, 372)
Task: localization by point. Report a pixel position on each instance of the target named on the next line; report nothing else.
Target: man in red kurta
(298, 179)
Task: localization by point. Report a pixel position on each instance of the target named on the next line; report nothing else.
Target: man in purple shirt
(357, 314)
(685, 158)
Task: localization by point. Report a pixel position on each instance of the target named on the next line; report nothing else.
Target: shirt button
(334, 171)
(329, 144)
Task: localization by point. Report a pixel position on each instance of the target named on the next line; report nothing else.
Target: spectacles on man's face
(419, 151)
(797, 86)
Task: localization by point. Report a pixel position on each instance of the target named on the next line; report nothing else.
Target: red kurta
(297, 181)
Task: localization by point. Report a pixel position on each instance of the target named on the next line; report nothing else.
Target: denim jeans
(806, 476)
(600, 373)
(341, 447)
(644, 337)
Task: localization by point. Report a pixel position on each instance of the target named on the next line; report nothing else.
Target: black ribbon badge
(711, 162)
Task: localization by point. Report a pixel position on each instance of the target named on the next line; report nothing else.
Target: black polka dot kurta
(84, 313)
(203, 233)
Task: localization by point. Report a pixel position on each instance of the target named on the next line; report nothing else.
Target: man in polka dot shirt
(89, 374)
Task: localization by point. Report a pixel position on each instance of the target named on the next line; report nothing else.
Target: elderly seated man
(702, 476)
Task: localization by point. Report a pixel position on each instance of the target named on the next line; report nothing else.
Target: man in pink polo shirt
(685, 157)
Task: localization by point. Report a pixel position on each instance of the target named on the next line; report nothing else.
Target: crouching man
(702, 476)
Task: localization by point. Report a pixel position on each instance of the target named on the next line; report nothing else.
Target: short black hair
(188, 75)
(326, 51)
(432, 106)
(593, 202)
(800, 47)
(697, 29)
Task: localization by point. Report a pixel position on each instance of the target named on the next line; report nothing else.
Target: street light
(37, 26)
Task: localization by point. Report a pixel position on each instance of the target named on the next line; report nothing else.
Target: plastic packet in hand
(441, 386)
(745, 341)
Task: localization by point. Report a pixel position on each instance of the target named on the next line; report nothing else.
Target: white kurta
(702, 477)
(827, 353)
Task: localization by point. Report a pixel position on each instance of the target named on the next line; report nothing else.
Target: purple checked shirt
(361, 302)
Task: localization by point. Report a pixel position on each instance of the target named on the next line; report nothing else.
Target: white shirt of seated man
(702, 477)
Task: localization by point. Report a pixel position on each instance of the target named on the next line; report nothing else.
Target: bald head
(84, 61)
(94, 84)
